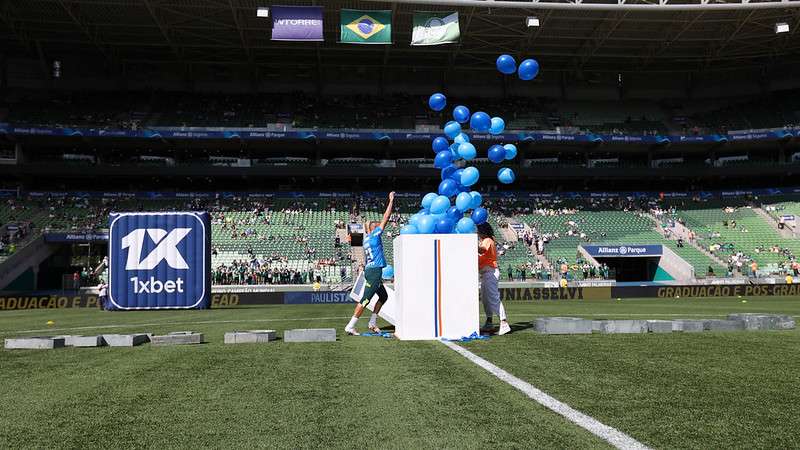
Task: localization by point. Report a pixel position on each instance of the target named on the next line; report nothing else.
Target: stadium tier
(149, 109)
(303, 239)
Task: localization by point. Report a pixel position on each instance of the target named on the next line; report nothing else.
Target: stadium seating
(752, 236)
(179, 109)
(298, 234)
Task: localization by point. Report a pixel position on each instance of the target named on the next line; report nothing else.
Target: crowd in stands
(135, 110)
(544, 221)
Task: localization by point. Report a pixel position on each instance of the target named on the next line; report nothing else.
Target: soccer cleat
(352, 332)
(487, 327)
(504, 328)
(374, 329)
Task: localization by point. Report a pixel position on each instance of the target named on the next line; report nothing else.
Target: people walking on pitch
(373, 270)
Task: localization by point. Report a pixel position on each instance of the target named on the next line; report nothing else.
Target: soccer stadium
(404, 224)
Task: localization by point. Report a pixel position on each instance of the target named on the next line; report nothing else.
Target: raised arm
(388, 211)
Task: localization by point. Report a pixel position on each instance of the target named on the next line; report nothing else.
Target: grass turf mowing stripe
(611, 435)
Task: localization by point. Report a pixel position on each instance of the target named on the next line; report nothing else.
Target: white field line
(609, 434)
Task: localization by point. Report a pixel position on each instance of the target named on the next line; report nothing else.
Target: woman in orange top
(490, 276)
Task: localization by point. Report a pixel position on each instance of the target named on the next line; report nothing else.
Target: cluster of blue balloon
(456, 208)
(527, 70)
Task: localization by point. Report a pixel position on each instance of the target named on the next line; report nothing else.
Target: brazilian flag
(366, 27)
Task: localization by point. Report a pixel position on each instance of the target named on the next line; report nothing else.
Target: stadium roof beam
(9, 18)
(610, 5)
(734, 34)
(455, 53)
(81, 24)
(242, 37)
(596, 43)
(532, 35)
(163, 28)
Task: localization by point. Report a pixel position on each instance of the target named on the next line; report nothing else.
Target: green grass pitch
(709, 390)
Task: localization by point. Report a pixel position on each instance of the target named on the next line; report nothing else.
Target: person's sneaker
(352, 332)
(374, 329)
(504, 328)
(487, 327)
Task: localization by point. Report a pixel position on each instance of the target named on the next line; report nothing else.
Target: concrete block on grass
(623, 326)
(310, 335)
(178, 338)
(562, 325)
(86, 341)
(723, 325)
(250, 336)
(659, 326)
(34, 343)
(125, 340)
(688, 326)
(763, 321)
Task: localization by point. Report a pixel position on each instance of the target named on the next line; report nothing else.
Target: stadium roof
(571, 38)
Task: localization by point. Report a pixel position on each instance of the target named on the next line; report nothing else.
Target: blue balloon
(428, 199)
(440, 143)
(448, 171)
(414, 219)
(461, 138)
(440, 204)
(467, 151)
(445, 225)
(511, 151)
(443, 159)
(454, 150)
(497, 125)
(448, 188)
(496, 154)
(479, 215)
(465, 225)
(506, 64)
(462, 188)
(409, 229)
(387, 273)
(454, 213)
(528, 69)
(480, 122)
(452, 129)
(437, 102)
(475, 199)
(461, 113)
(470, 176)
(456, 176)
(506, 175)
(426, 224)
(463, 201)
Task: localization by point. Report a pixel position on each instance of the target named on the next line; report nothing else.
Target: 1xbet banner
(159, 260)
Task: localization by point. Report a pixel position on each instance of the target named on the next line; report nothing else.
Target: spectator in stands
(753, 269)
(510, 272)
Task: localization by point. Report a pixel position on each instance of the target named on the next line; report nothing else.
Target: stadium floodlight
(262, 12)
(532, 21)
(781, 27)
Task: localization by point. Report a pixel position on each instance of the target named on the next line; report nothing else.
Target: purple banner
(296, 23)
